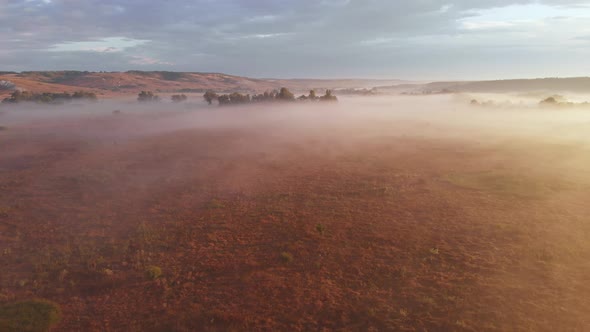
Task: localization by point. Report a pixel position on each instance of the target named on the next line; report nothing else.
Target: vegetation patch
(282, 95)
(48, 97)
(507, 184)
(320, 228)
(153, 272)
(29, 316)
(286, 257)
(147, 96)
(179, 98)
(214, 204)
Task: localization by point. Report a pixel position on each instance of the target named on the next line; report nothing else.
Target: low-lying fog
(436, 117)
(554, 138)
(500, 190)
(441, 116)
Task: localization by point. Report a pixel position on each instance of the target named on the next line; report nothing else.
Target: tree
(223, 100)
(147, 96)
(549, 101)
(84, 95)
(312, 95)
(286, 95)
(179, 98)
(210, 96)
(328, 96)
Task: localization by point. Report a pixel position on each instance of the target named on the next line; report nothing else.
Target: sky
(413, 39)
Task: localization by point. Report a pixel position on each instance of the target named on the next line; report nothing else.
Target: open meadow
(397, 213)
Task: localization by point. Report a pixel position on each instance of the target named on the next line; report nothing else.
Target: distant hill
(553, 85)
(131, 82)
(112, 84)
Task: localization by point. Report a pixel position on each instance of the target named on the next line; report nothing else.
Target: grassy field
(347, 224)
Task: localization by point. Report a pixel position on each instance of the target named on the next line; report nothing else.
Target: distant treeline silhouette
(282, 95)
(48, 97)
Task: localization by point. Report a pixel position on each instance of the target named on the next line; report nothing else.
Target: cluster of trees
(48, 97)
(179, 98)
(282, 95)
(555, 101)
(560, 101)
(147, 96)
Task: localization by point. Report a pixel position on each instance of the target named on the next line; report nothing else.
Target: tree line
(48, 97)
(282, 95)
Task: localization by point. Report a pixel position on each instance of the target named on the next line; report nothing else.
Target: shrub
(285, 95)
(29, 316)
(320, 228)
(84, 95)
(312, 95)
(153, 272)
(286, 257)
(210, 96)
(550, 101)
(328, 96)
(147, 96)
(179, 98)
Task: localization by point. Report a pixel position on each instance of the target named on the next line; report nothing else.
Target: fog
(522, 118)
(519, 125)
(414, 189)
(435, 117)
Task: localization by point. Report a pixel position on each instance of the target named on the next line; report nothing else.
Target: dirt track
(282, 226)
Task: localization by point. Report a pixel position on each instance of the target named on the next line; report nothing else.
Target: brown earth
(277, 226)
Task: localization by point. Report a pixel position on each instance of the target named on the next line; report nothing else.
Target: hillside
(125, 83)
(552, 85)
(113, 84)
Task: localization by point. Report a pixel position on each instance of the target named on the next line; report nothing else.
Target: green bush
(286, 257)
(153, 272)
(29, 316)
(320, 228)
(147, 96)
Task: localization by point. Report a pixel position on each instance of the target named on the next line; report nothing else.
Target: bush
(320, 228)
(210, 96)
(286, 257)
(29, 316)
(285, 95)
(328, 96)
(147, 96)
(179, 98)
(153, 272)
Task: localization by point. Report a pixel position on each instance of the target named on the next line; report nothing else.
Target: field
(399, 214)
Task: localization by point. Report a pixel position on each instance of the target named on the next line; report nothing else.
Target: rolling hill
(116, 84)
(131, 82)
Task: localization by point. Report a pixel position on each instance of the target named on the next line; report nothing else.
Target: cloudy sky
(410, 39)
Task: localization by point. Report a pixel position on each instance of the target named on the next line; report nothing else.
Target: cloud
(295, 38)
(111, 44)
(146, 60)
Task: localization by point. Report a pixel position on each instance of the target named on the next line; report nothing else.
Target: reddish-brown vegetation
(216, 229)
